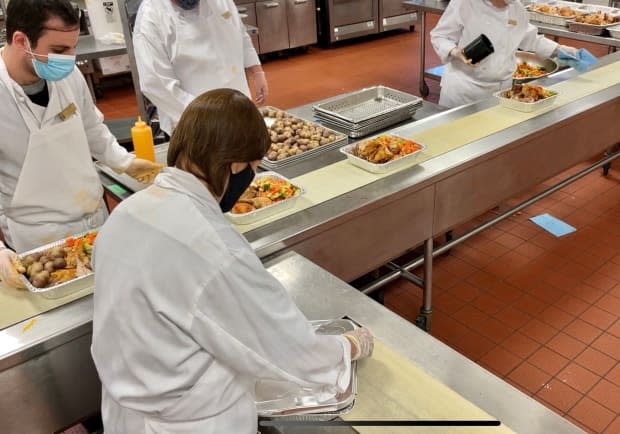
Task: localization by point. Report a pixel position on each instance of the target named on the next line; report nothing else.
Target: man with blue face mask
(51, 131)
(186, 47)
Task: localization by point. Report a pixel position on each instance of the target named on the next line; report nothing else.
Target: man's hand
(260, 87)
(10, 267)
(457, 53)
(143, 170)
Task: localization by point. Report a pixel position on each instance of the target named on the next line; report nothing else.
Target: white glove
(457, 53)
(362, 343)
(260, 87)
(10, 267)
(143, 170)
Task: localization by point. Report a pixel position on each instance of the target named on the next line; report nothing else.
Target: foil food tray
(62, 289)
(269, 210)
(341, 139)
(281, 399)
(395, 164)
(589, 29)
(527, 107)
(366, 104)
(557, 20)
(614, 31)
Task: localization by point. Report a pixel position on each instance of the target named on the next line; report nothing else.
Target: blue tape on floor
(552, 224)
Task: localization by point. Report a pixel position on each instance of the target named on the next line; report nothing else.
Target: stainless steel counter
(438, 6)
(47, 379)
(89, 48)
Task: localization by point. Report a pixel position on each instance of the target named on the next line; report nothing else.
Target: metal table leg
(426, 310)
(423, 86)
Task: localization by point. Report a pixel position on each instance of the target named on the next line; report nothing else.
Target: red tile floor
(541, 312)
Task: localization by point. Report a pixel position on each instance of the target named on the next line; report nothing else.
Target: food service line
(439, 6)
(48, 380)
(410, 207)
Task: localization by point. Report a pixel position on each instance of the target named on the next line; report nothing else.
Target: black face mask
(237, 184)
(187, 4)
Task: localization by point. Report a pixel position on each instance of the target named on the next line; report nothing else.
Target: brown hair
(219, 127)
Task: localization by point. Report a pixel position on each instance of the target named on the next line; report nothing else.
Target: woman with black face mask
(186, 318)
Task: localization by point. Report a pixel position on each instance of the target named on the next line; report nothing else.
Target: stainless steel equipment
(393, 14)
(345, 19)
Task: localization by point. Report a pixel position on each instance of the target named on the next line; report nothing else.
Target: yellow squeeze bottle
(142, 138)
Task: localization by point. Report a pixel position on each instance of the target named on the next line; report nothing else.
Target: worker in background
(51, 131)
(186, 323)
(186, 47)
(506, 24)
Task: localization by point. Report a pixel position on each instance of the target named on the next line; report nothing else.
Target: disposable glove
(143, 171)
(260, 87)
(10, 267)
(457, 53)
(362, 343)
(580, 59)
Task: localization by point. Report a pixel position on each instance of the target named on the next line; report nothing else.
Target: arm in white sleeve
(157, 78)
(250, 58)
(267, 337)
(102, 143)
(447, 33)
(532, 41)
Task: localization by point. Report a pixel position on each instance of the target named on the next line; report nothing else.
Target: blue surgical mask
(58, 66)
(188, 4)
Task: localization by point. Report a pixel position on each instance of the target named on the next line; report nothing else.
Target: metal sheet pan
(277, 399)
(62, 289)
(589, 29)
(370, 128)
(268, 211)
(366, 104)
(341, 139)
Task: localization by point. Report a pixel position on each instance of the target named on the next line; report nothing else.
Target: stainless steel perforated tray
(369, 128)
(366, 104)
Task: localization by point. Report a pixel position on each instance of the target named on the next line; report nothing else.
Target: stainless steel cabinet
(247, 12)
(301, 22)
(272, 25)
(393, 14)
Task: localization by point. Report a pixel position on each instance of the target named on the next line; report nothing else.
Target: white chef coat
(186, 318)
(181, 54)
(507, 28)
(15, 143)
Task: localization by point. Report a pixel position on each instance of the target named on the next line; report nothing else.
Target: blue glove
(581, 60)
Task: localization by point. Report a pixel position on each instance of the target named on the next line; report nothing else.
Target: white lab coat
(508, 29)
(181, 54)
(186, 318)
(48, 185)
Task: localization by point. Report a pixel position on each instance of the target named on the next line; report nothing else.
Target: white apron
(209, 52)
(58, 192)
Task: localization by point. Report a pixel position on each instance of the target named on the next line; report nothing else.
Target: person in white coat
(49, 187)
(186, 47)
(506, 24)
(186, 318)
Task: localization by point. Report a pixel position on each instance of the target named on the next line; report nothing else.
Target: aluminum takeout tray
(527, 107)
(268, 211)
(366, 104)
(614, 31)
(278, 399)
(396, 164)
(62, 289)
(341, 139)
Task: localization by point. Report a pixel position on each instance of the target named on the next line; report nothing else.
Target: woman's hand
(362, 343)
(10, 268)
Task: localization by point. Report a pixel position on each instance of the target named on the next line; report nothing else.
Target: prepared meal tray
(526, 97)
(556, 12)
(61, 268)
(268, 194)
(282, 399)
(383, 153)
(594, 23)
(294, 139)
(531, 66)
